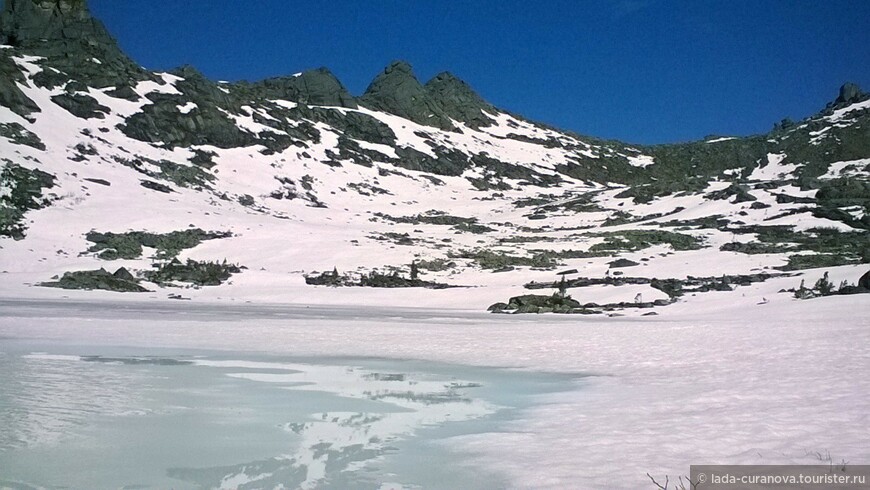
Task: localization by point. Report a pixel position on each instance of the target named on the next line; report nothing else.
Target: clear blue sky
(643, 71)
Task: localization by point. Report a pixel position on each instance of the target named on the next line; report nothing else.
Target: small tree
(414, 271)
(563, 288)
(802, 292)
(824, 286)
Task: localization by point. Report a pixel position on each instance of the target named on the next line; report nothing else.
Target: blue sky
(642, 71)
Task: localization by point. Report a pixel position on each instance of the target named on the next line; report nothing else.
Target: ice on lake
(108, 417)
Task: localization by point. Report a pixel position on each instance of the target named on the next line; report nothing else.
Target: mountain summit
(442, 100)
(396, 90)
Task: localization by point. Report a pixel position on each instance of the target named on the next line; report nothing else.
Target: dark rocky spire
(397, 91)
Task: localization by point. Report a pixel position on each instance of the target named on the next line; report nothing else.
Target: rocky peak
(458, 100)
(312, 87)
(396, 90)
(64, 32)
(850, 93)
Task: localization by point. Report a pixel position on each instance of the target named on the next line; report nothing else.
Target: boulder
(124, 274)
(622, 263)
(497, 307)
(849, 94)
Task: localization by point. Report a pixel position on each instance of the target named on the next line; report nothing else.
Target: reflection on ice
(152, 419)
(335, 442)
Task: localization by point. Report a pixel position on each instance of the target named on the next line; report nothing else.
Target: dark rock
(864, 281)
(459, 101)
(849, 94)
(844, 192)
(536, 300)
(161, 122)
(194, 272)
(397, 91)
(372, 280)
(113, 246)
(19, 135)
(123, 273)
(86, 149)
(758, 205)
(312, 87)
(787, 199)
(154, 186)
(11, 96)
(497, 307)
(99, 181)
(64, 32)
(98, 279)
(622, 263)
(80, 105)
(740, 191)
(124, 92)
(24, 191)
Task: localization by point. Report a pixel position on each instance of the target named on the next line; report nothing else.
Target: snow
(286, 104)
(774, 169)
(186, 108)
(719, 140)
(746, 384)
(850, 168)
(146, 87)
(840, 114)
(247, 123)
(641, 160)
(28, 64)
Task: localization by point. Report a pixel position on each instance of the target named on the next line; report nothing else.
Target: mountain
(291, 189)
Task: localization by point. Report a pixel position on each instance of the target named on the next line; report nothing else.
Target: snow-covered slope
(300, 178)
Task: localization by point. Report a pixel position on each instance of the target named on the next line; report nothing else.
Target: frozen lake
(108, 416)
(112, 393)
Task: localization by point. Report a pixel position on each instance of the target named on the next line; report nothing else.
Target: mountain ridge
(299, 179)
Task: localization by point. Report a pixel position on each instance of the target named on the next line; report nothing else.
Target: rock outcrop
(312, 87)
(397, 91)
(457, 100)
(849, 94)
(444, 98)
(64, 32)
